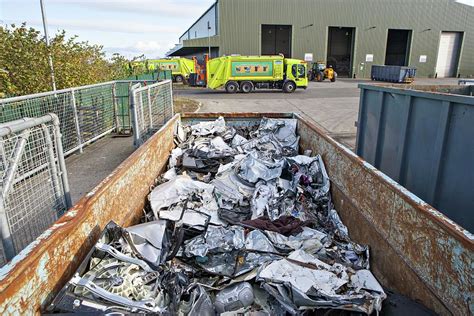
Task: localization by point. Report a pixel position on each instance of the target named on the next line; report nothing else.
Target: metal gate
(34, 189)
(152, 107)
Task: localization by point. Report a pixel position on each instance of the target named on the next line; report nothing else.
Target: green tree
(24, 65)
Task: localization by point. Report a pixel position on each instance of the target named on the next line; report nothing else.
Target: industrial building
(435, 36)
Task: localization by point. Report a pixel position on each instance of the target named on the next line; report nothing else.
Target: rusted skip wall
(39, 271)
(415, 249)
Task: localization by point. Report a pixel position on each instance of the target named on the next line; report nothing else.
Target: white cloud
(468, 2)
(151, 49)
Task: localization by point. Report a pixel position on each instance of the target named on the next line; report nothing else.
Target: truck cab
(295, 71)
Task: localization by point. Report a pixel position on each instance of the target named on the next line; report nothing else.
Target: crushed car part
(234, 297)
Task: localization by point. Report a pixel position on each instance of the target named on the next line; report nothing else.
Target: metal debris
(241, 225)
(234, 297)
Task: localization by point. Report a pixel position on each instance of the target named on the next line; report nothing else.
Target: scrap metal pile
(239, 224)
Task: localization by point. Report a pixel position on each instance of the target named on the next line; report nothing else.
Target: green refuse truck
(247, 73)
(180, 67)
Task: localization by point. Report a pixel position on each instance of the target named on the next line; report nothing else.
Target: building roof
(197, 20)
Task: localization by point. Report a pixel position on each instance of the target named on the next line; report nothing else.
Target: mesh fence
(152, 107)
(85, 113)
(38, 105)
(32, 181)
(95, 108)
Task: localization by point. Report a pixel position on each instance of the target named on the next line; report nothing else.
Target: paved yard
(333, 106)
(85, 171)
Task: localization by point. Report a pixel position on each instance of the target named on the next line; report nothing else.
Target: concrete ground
(332, 106)
(87, 170)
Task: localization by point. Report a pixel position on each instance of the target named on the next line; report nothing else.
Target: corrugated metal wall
(241, 20)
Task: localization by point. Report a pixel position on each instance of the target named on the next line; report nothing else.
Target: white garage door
(448, 54)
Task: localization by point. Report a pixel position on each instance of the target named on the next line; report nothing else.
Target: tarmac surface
(332, 106)
(85, 171)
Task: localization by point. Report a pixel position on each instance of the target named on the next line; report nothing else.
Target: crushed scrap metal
(240, 223)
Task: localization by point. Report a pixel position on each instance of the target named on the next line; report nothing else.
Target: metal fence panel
(40, 104)
(123, 117)
(34, 189)
(85, 113)
(152, 107)
(95, 111)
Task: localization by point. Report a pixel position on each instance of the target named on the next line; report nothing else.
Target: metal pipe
(142, 112)
(90, 141)
(30, 173)
(157, 84)
(62, 162)
(49, 93)
(52, 164)
(172, 100)
(76, 120)
(46, 38)
(133, 111)
(209, 37)
(7, 240)
(28, 123)
(14, 122)
(114, 100)
(13, 165)
(149, 108)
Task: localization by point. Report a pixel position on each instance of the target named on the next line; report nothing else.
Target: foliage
(24, 67)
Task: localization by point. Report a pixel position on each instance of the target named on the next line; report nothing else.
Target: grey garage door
(448, 54)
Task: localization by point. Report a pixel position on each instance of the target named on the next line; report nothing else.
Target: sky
(128, 27)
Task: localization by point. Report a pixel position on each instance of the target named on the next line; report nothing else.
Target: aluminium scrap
(240, 224)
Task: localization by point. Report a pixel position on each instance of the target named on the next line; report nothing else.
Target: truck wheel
(289, 87)
(246, 86)
(232, 87)
(178, 79)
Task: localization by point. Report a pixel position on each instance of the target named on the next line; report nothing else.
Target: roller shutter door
(448, 54)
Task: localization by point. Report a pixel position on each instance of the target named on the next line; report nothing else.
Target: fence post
(52, 163)
(172, 100)
(62, 163)
(149, 108)
(114, 97)
(133, 111)
(76, 119)
(130, 116)
(142, 112)
(7, 240)
(165, 105)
